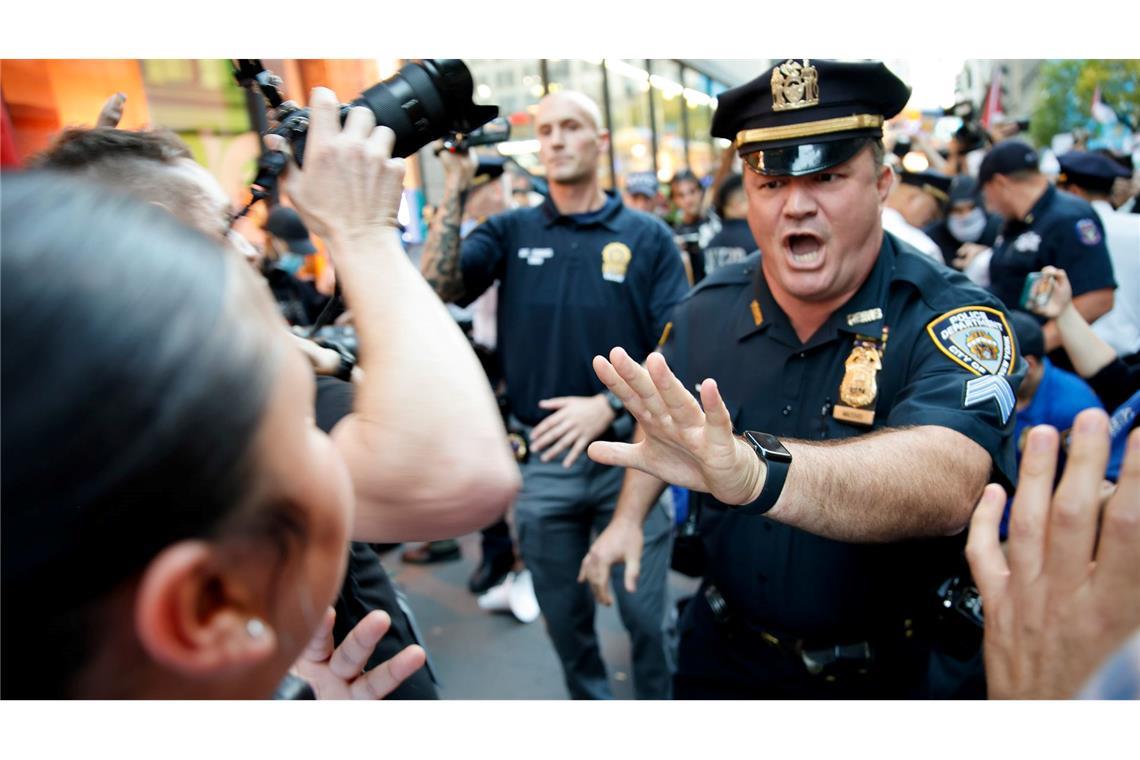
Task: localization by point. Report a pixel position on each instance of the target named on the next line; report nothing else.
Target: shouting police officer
(875, 389)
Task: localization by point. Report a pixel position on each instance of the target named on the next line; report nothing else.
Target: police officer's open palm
(574, 423)
(350, 186)
(683, 445)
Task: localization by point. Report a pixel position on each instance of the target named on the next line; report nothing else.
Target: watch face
(769, 446)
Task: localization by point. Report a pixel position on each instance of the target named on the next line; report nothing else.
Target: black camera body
(424, 101)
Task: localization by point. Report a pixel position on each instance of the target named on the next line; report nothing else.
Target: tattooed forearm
(440, 261)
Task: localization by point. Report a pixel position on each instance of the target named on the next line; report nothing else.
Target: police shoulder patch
(1088, 232)
(976, 337)
(979, 339)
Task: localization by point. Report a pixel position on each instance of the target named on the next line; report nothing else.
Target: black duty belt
(819, 659)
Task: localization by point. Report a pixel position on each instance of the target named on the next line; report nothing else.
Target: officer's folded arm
(891, 484)
(424, 447)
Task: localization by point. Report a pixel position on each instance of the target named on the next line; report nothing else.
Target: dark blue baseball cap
(1007, 157)
(642, 183)
(801, 117)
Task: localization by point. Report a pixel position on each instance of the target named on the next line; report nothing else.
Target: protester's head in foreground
(174, 524)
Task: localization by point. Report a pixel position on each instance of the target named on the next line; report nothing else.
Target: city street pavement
(483, 655)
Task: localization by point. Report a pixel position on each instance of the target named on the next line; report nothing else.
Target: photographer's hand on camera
(458, 167)
(350, 187)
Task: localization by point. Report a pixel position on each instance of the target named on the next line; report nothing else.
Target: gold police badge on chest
(615, 261)
(860, 388)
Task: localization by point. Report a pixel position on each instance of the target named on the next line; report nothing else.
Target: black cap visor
(805, 158)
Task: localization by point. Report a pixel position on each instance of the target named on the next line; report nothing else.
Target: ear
(192, 617)
(885, 181)
(604, 139)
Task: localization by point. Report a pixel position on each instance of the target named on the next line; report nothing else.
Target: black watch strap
(778, 460)
(614, 402)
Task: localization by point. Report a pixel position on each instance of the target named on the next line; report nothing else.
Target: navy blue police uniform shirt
(571, 287)
(1060, 230)
(732, 244)
(785, 580)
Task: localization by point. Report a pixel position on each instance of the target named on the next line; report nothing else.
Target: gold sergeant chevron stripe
(982, 389)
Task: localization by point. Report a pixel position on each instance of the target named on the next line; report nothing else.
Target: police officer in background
(1090, 177)
(1044, 226)
(576, 275)
(874, 389)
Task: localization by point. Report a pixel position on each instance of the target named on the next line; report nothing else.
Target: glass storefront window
(515, 86)
(703, 156)
(629, 111)
(665, 80)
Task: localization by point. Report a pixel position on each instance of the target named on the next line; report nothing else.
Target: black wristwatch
(778, 459)
(614, 402)
(347, 360)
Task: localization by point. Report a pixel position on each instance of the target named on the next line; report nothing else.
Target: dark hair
(730, 187)
(79, 147)
(133, 390)
(684, 175)
(1027, 330)
(133, 161)
(878, 151)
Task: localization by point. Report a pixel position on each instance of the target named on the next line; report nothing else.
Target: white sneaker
(521, 598)
(497, 598)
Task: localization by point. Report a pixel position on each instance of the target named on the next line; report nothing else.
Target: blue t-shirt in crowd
(1060, 397)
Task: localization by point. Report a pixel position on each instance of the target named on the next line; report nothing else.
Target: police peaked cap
(1092, 171)
(934, 184)
(801, 117)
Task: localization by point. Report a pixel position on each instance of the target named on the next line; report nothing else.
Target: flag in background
(992, 108)
(1100, 110)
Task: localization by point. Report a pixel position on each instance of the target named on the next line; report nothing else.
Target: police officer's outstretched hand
(1067, 596)
(339, 673)
(683, 445)
(621, 542)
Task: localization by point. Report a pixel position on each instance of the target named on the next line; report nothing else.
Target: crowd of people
(886, 416)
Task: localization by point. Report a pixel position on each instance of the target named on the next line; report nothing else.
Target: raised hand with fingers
(339, 673)
(112, 112)
(683, 445)
(1060, 297)
(1069, 593)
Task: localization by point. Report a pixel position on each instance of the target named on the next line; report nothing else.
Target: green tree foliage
(1066, 92)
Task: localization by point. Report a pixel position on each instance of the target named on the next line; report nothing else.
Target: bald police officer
(875, 391)
(576, 275)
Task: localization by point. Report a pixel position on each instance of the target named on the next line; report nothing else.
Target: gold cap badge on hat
(794, 85)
